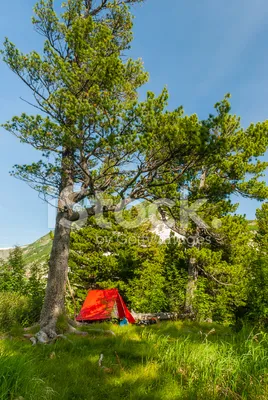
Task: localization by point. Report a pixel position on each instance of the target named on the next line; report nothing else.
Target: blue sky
(199, 50)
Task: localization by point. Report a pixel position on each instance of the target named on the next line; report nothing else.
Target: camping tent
(104, 304)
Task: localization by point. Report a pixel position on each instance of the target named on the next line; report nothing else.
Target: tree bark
(191, 288)
(54, 302)
(53, 305)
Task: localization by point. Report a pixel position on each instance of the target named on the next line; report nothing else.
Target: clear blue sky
(200, 50)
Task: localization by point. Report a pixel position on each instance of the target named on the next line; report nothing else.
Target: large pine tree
(93, 133)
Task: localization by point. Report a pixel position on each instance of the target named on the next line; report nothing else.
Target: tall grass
(19, 378)
(167, 361)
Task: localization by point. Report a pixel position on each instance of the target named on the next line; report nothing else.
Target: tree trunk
(191, 288)
(54, 300)
(53, 305)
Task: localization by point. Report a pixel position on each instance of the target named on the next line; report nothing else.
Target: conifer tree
(227, 164)
(93, 133)
(130, 260)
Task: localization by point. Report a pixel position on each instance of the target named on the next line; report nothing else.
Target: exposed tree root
(29, 328)
(73, 323)
(77, 332)
(48, 335)
(72, 329)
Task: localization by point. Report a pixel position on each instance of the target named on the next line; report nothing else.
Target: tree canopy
(98, 140)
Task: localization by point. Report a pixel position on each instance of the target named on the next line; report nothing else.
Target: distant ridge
(34, 252)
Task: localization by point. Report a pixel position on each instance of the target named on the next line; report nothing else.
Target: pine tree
(91, 129)
(226, 163)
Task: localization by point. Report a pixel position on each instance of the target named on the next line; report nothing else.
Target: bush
(14, 310)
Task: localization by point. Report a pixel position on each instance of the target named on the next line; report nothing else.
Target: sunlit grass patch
(167, 361)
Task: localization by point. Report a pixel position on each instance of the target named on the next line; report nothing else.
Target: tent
(104, 304)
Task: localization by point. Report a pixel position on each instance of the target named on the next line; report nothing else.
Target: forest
(147, 203)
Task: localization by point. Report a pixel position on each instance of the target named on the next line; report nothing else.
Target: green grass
(168, 361)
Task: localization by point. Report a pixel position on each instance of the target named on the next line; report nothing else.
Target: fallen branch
(119, 362)
(207, 334)
(100, 360)
(160, 316)
(105, 369)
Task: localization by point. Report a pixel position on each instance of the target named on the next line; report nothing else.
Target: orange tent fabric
(101, 304)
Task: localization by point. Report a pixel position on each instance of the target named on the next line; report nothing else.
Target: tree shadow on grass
(138, 364)
(196, 333)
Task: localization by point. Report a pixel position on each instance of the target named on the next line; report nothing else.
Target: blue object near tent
(123, 322)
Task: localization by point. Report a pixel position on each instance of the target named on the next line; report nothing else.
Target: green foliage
(14, 310)
(175, 275)
(35, 290)
(27, 286)
(224, 271)
(146, 291)
(258, 290)
(129, 260)
(262, 224)
(13, 273)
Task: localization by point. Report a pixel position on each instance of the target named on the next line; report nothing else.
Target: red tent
(104, 304)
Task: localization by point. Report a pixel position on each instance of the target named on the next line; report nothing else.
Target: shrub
(14, 310)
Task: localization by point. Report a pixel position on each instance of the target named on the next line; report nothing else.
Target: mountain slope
(38, 251)
(35, 252)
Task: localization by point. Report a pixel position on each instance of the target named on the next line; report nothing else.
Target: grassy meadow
(167, 361)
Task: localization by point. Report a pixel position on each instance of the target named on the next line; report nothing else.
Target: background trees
(225, 161)
(21, 290)
(153, 275)
(94, 136)
(258, 306)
